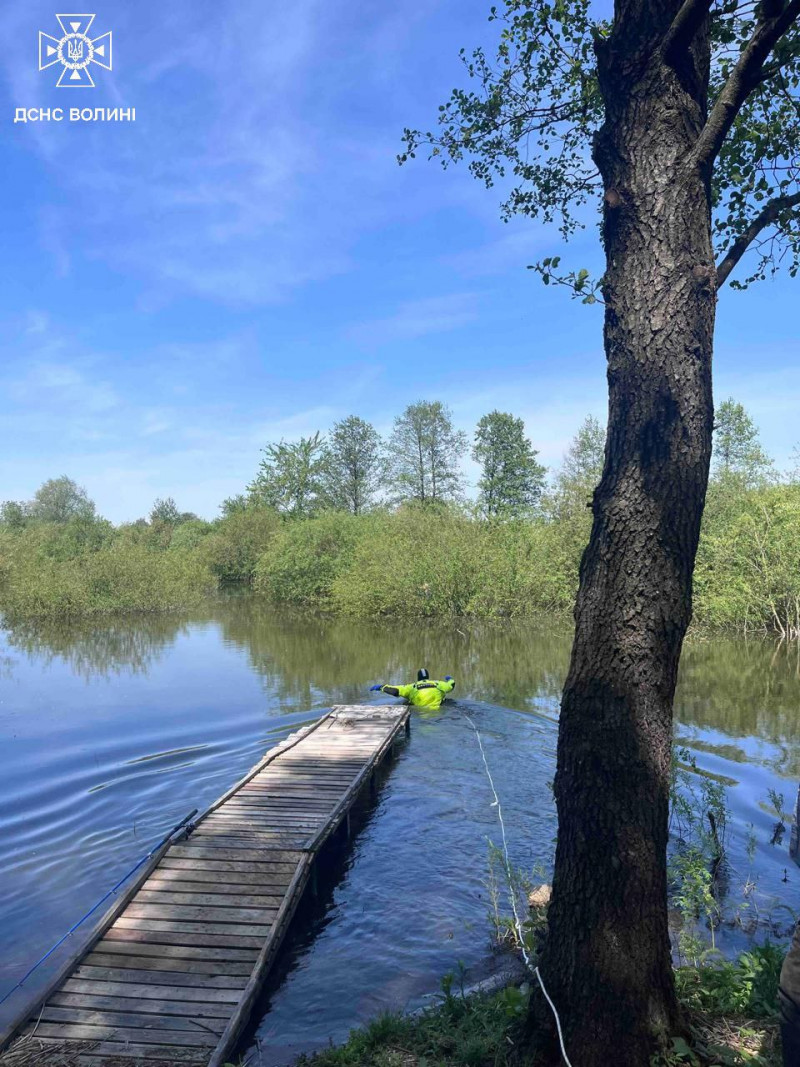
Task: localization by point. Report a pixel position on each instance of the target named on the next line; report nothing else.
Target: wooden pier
(171, 972)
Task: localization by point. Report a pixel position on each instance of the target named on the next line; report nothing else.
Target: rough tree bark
(606, 961)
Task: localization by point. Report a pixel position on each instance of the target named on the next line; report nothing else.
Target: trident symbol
(76, 51)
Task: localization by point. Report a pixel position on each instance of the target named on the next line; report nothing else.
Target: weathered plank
(187, 885)
(146, 991)
(174, 964)
(174, 934)
(140, 1021)
(194, 913)
(239, 935)
(176, 977)
(169, 952)
(96, 1002)
(104, 1032)
(238, 900)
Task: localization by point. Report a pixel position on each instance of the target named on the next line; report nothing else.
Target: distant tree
(291, 477)
(353, 465)
(794, 465)
(233, 504)
(59, 500)
(737, 452)
(581, 470)
(13, 514)
(424, 453)
(164, 512)
(511, 479)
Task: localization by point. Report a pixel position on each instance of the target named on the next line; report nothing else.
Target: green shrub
(236, 542)
(116, 577)
(303, 559)
(745, 986)
(747, 574)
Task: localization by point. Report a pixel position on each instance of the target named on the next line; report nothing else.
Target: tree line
(374, 550)
(353, 469)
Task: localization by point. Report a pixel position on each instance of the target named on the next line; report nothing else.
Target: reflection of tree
(95, 647)
(305, 658)
(744, 688)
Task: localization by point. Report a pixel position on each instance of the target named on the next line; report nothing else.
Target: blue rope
(99, 903)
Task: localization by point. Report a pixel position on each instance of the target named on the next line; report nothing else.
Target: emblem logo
(75, 51)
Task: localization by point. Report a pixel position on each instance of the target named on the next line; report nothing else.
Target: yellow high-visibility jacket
(426, 694)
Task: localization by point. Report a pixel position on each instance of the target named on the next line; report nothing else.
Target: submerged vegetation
(349, 525)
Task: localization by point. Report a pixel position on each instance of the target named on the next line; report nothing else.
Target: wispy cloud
(417, 318)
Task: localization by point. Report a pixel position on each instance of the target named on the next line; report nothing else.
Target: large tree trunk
(606, 960)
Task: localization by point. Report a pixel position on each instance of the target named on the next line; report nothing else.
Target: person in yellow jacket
(424, 693)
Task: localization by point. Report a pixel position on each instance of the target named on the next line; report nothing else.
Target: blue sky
(248, 262)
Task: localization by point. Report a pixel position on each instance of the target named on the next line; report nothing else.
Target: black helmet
(422, 675)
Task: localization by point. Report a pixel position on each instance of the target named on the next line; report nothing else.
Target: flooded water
(112, 732)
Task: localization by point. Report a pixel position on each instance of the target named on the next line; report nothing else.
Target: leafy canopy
(529, 121)
(290, 477)
(511, 478)
(424, 454)
(353, 465)
(737, 450)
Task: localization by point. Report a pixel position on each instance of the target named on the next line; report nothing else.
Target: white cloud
(417, 318)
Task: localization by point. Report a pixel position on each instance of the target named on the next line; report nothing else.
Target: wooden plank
(211, 851)
(145, 991)
(264, 815)
(268, 822)
(93, 1002)
(223, 900)
(259, 805)
(229, 889)
(229, 846)
(119, 1053)
(234, 932)
(173, 964)
(131, 1019)
(193, 913)
(253, 877)
(100, 1032)
(166, 953)
(172, 978)
(289, 788)
(259, 868)
(140, 931)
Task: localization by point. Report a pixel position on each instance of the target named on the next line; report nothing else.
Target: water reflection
(113, 730)
(98, 647)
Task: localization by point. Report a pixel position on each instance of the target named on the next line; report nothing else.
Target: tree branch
(743, 79)
(768, 214)
(684, 26)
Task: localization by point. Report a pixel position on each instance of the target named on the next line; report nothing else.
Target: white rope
(517, 922)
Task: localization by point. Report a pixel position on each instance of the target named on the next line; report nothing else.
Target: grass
(469, 1031)
(730, 1008)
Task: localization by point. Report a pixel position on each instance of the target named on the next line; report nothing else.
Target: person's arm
(448, 685)
(397, 690)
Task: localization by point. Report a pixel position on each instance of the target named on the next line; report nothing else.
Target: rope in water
(99, 903)
(517, 923)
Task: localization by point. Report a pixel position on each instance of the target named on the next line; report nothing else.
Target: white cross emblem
(75, 51)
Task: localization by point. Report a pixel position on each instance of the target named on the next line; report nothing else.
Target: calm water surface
(112, 732)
